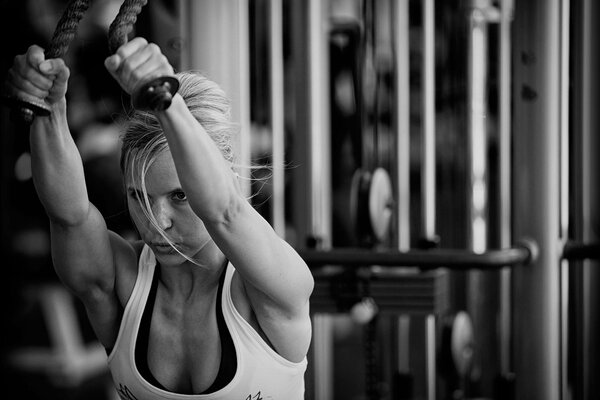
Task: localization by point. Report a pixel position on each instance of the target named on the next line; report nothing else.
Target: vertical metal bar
(402, 120)
(430, 330)
(481, 298)
(401, 53)
(564, 188)
(586, 277)
(477, 130)
(537, 113)
(215, 37)
(277, 112)
(323, 356)
(592, 183)
(504, 150)
(428, 192)
(320, 142)
(319, 175)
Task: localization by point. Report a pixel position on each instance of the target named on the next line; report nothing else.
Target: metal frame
(536, 189)
(425, 259)
(208, 27)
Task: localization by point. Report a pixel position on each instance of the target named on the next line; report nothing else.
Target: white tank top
(261, 372)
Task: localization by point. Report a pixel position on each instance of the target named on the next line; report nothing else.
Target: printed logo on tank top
(125, 393)
(257, 396)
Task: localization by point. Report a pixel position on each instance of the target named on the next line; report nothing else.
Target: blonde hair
(144, 139)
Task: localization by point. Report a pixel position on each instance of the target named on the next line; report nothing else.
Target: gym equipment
(371, 203)
(522, 254)
(456, 352)
(25, 110)
(371, 193)
(158, 93)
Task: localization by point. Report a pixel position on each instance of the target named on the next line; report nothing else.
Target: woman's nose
(163, 214)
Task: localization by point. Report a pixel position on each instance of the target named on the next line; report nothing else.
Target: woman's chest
(184, 354)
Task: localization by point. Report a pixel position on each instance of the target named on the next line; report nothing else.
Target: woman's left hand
(137, 62)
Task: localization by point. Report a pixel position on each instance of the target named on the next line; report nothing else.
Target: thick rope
(23, 111)
(123, 23)
(66, 28)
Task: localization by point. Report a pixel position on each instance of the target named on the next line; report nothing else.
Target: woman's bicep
(82, 254)
(85, 258)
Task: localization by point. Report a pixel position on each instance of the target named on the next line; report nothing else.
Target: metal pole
(320, 144)
(428, 192)
(401, 52)
(585, 330)
(448, 258)
(314, 185)
(537, 114)
(565, 187)
(277, 112)
(215, 41)
(504, 150)
(400, 28)
(482, 301)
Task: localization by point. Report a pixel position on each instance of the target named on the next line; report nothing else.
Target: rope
(123, 23)
(66, 28)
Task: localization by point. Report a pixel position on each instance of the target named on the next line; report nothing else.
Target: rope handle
(25, 110)
(157, 94)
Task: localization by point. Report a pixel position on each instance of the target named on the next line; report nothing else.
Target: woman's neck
(189, 281)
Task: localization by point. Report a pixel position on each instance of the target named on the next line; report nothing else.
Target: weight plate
(380, 203)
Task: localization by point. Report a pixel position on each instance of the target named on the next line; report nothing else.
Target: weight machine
(539, 234)
(542, 256)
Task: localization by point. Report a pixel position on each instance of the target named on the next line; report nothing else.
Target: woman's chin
(168, 256)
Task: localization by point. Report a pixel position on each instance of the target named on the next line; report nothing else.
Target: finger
(141, 63)
(112, 64)
(22, 70)
(55, 68)
(30, 94)
(34, 56)
(157, 65)
(29, 82)
(131, 47)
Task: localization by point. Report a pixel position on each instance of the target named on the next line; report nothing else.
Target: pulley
(371, 204)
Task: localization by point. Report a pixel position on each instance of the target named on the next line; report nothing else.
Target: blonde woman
(211, 303)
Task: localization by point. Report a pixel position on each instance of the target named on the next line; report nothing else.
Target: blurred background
(433, 161)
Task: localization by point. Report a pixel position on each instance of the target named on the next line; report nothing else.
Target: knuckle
(121, 52)
(138, 41)
(154, 47)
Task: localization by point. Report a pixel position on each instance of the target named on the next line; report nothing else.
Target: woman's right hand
(33, 77)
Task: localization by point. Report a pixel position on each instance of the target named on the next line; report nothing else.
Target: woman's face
(172, 212)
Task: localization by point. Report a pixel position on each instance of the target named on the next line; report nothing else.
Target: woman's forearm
(205, 176)
(57, 169)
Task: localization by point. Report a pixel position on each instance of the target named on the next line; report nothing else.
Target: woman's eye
(180, 196)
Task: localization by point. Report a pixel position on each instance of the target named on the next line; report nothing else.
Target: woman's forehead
(160, 176)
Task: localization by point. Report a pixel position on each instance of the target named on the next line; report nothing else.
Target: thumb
(45, 67)
(112, 62)
(54, 68)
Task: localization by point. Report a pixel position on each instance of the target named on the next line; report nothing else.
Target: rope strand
(123, 23)
(66, 28)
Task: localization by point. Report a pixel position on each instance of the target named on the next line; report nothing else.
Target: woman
(211, 302)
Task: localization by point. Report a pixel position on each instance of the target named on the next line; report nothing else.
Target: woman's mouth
(163, 247)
